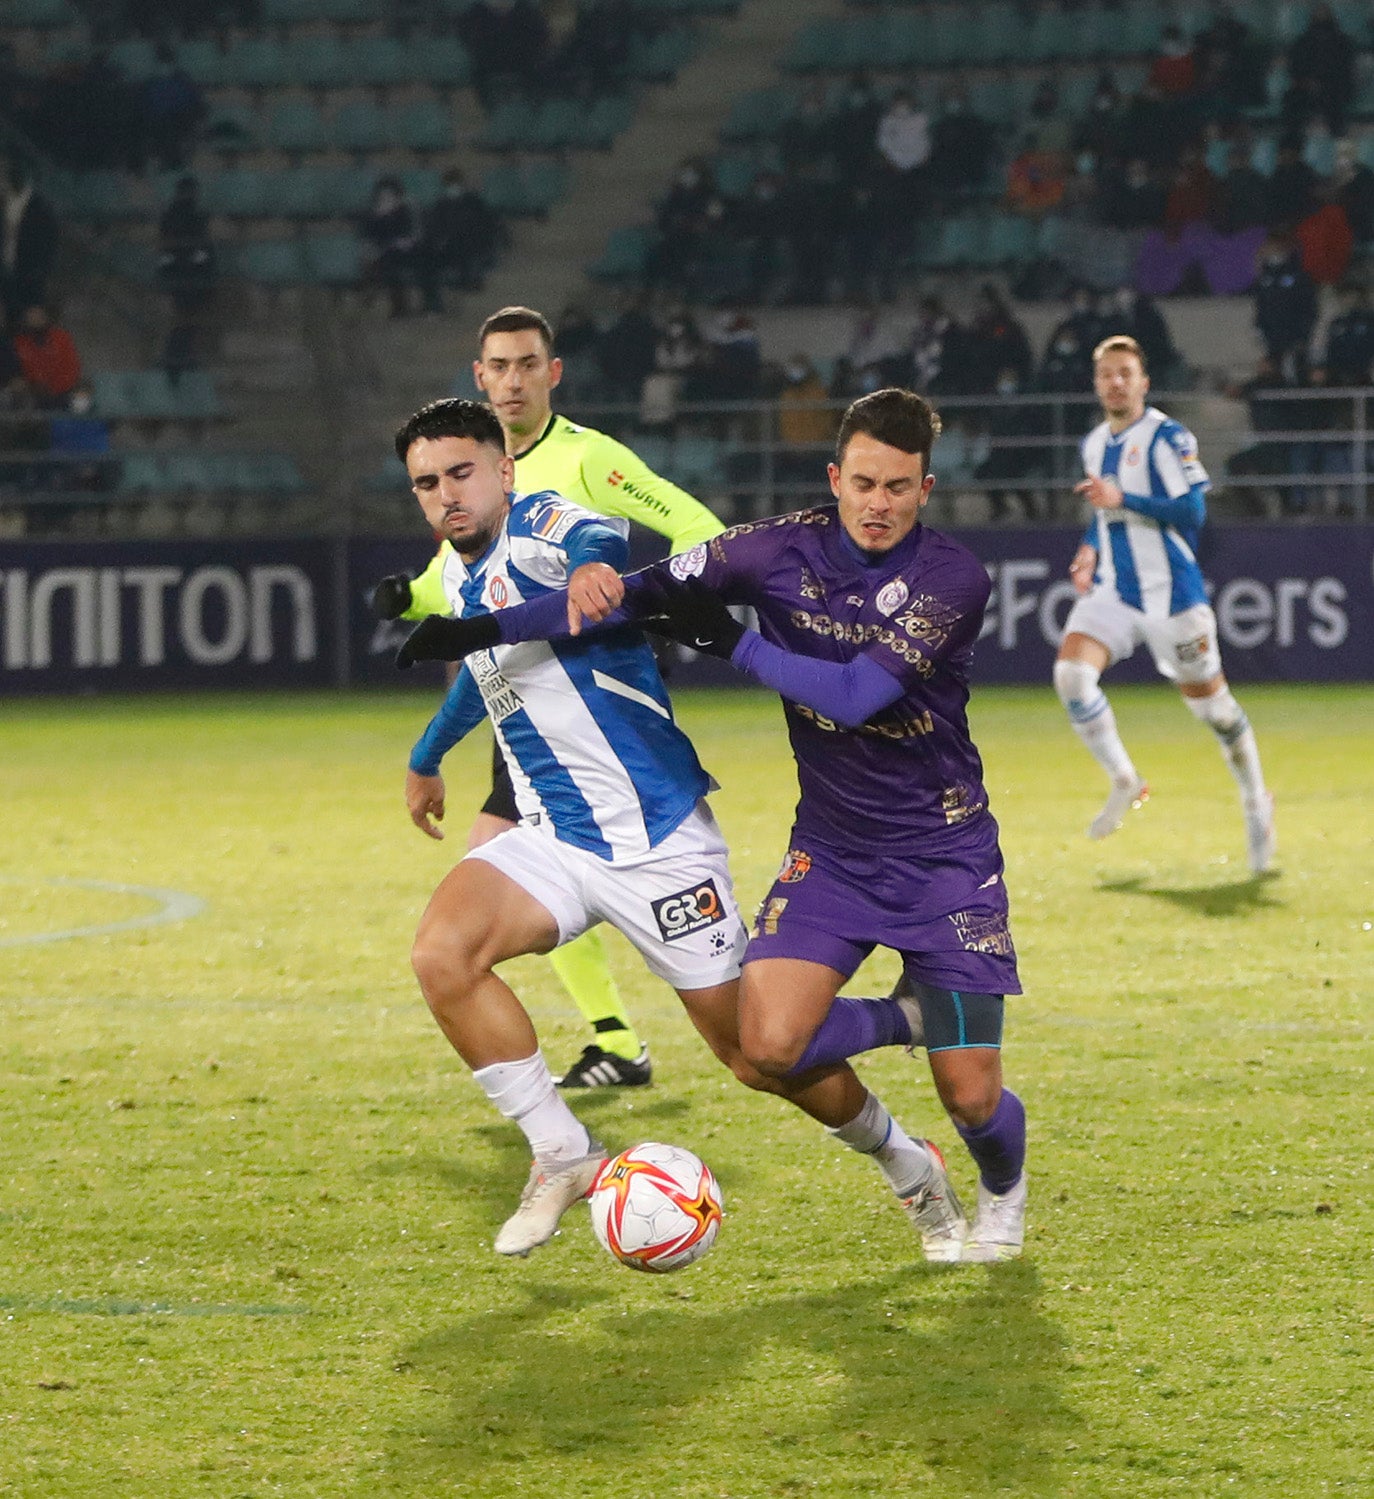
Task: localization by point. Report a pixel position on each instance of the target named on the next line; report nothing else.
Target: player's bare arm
(425, 800)
(594, 589)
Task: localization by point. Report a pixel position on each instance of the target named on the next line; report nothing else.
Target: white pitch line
(173, 905)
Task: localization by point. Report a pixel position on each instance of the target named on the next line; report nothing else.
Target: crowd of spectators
(858, 177)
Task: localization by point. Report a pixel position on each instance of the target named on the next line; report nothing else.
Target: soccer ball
(655, 1207)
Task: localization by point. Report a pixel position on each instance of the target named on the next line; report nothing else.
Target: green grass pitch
(249, 1194)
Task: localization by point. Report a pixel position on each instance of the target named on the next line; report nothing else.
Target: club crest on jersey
(891, 597)
(688, 911)
(500, 593)
(1132, 455)
(688, 564)
(795, 867)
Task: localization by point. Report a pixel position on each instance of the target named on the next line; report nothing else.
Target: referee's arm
(622, 484)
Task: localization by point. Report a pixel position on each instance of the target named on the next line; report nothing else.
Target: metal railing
(1278, 454)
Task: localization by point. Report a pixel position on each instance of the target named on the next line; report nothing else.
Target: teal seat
(334, 259)
(295, 125)
(112, 394)
(346, 191)
(509, 127)
(816, 47)
(380, 61)
(1142, 24)
(270, 262)
(658, 59)
(360, 126)
(259, 62)
(189, 471)
(626, 255)
(135, 55)
(100, 195)
(206, 62)
(735, 174)
(142, 473)
(1010, 241)
(1365, 150)
(135, 260)
(321, 61)
(238, 193)
(192, 396)
(656, 451)
(424, 125)
(960, 243)
(301, 194)
(597, 128)
(267, 473)
(1050, 36)
(422, 184)
(953, 36)
(230, 126)
(555, 123)
(758, 112)
(441, 61)
(696, 463)
(906, 36)
(41, 14)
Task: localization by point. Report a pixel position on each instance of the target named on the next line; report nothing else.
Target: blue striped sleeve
(459, 713)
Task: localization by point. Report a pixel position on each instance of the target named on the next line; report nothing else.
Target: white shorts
(675, 903)
(1184, 645)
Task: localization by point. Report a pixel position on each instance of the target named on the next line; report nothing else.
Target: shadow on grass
(1233, 898)
(871, 1386)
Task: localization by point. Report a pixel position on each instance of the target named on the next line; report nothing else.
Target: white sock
(1225, 716)
(1092, 718)
(524, 1091)
(905, 1162)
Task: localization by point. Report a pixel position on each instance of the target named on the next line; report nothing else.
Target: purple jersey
(908, 783)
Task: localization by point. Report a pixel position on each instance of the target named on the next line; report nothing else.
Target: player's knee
(445, 963)
(770, 1048)
(971, 1098)
(1076, 684)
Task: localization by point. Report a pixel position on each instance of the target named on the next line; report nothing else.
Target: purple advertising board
(144, 615)
(1293, 603)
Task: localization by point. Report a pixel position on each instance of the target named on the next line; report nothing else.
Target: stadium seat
(509, 127)
(441, 61)
(555, 123)
(112, 395)
(259, 62)
(424, 125)
(270, 262)
(597, 127)
(321, 61)
(296, 125)
(41, 14)
(696, 463)
(626, 255)
(142, 473)
(1010, 240)
(206, 62)
(190, 471)
(334, 259)
(192, 396)
(360, 126)
(238, 193)
(136, 55)
(230, 126)
(380, 61)
(422, 184)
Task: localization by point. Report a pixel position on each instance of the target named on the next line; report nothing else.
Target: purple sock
(999, 1145)
(851, 1026)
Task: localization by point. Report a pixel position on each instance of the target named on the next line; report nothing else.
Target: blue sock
(999, 1145)
(851, 1026)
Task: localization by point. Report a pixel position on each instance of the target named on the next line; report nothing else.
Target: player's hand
(438, 638)
(594, 589)
(698, 617)
(1082, 568)
(391, 597)
(425, 799)
(1103, 494)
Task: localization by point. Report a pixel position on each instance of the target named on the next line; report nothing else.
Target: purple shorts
(823, 911)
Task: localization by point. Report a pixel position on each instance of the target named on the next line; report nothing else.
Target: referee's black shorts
(501, 802)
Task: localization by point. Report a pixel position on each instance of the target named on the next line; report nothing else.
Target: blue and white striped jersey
(585, 725)
(1147, 550)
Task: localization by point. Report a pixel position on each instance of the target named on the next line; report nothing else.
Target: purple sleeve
(847, 692)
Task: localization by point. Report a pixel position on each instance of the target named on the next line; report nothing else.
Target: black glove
(438, 638)
(391, 597)
(695, 616)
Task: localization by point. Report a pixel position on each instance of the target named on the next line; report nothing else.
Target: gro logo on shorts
(689, 911)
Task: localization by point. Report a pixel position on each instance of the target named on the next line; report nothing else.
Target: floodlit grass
(250, 1194)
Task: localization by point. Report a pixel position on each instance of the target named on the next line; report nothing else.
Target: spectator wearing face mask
(391, 238)
(458, 242)
(803, 415)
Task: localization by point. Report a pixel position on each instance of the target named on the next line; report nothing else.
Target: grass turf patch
(245, 1241)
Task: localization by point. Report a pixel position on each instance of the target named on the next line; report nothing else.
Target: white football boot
(999, 1227)
(936, 1213)
(549, 1193)
(1126, 796)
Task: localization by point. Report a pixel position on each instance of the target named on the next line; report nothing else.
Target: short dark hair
(900, 418)
(516, 320)
(1121, 343)
(451, 417)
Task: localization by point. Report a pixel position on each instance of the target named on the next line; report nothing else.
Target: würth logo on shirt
(615, 477)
